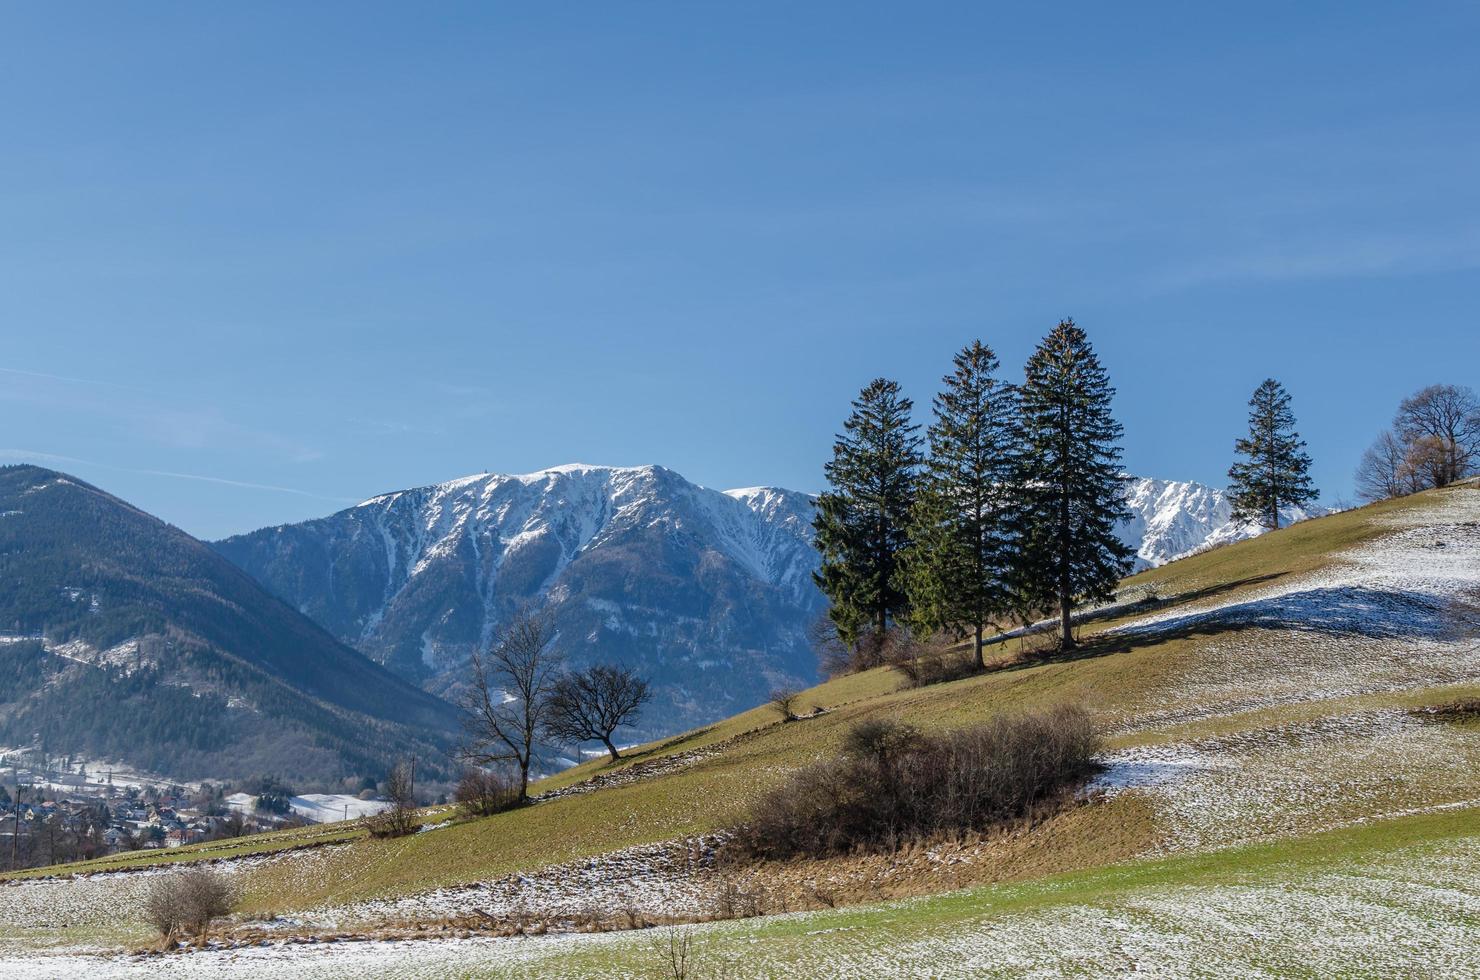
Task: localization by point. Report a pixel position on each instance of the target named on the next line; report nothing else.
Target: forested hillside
(126, 639)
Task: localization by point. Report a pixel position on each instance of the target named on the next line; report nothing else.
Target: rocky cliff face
(708, 593)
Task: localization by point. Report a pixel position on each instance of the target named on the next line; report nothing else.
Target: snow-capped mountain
(708, 592)
(1172, 519)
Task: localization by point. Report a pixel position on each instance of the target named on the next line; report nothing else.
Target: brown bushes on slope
(893, 785)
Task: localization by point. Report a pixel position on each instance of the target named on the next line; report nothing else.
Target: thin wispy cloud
(143, 416)
(70, 380)
(56, 459)
(1376, 255)
(388, 427)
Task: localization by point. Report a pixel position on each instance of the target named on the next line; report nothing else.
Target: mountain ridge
(709, 591)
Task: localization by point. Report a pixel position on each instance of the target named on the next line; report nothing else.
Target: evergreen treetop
(862, 522)
(962, 528)
(1070, 482)
(1275, 470)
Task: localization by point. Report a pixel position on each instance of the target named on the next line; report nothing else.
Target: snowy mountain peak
(1172, 519)
(634, 562)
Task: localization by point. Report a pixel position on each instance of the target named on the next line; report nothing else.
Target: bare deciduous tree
(589, 705)
(833, 655)
(1434, 441)
(1381, 472)
(508, 698)
(1449, 416)
(675, 950)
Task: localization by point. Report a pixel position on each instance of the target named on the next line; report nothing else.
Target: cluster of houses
(107, 826)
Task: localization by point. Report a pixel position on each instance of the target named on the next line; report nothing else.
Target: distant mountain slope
(708, 593)
(126, 638)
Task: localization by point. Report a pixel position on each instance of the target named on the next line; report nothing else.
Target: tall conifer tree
(862, 522)
(957, 563)
(1070, 485)
(1275, 471)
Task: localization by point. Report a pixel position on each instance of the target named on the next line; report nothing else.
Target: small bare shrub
(871, 649)
(784, 700)
(482, 793)
(400, 818)
(1464, 711)
(936, 666)
(731, 901)
(1038, 643)
(187, 902)
(675, 952)
(893, 785)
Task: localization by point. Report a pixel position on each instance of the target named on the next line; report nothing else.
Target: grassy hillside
(1258, 721)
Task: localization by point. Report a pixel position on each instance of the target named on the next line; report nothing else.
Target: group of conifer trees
(1007, 507)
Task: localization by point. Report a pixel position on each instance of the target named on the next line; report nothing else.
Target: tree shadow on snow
(1337, 611)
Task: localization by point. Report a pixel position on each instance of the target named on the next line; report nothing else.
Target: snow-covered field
(318, 807)
(88, 777)
(655, 880)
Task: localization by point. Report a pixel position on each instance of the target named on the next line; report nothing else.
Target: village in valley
(59, 809)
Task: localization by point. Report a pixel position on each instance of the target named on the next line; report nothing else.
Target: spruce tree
(1275, 472)
(862, 522)
(957, 563)
(1070, 487)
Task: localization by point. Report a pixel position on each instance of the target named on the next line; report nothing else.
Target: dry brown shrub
(482, 793)
(187, 902)
(894, 785)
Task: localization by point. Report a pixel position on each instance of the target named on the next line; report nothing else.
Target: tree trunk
(1066, 449)
(980, 659)
(611, 748)
(1274, 492)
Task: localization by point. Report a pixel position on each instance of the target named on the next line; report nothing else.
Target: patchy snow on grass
(1399, 613)
(1149, 767)
(1409, 912)
(675, 878)
(108, 898)
(1404, 585)
(1297, 779)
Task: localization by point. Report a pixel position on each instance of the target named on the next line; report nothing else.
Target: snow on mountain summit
(1172, 519)
(709, 592)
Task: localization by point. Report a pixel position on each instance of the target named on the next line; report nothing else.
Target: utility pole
(15, 838)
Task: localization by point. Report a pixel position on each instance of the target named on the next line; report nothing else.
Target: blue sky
(258, 261)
